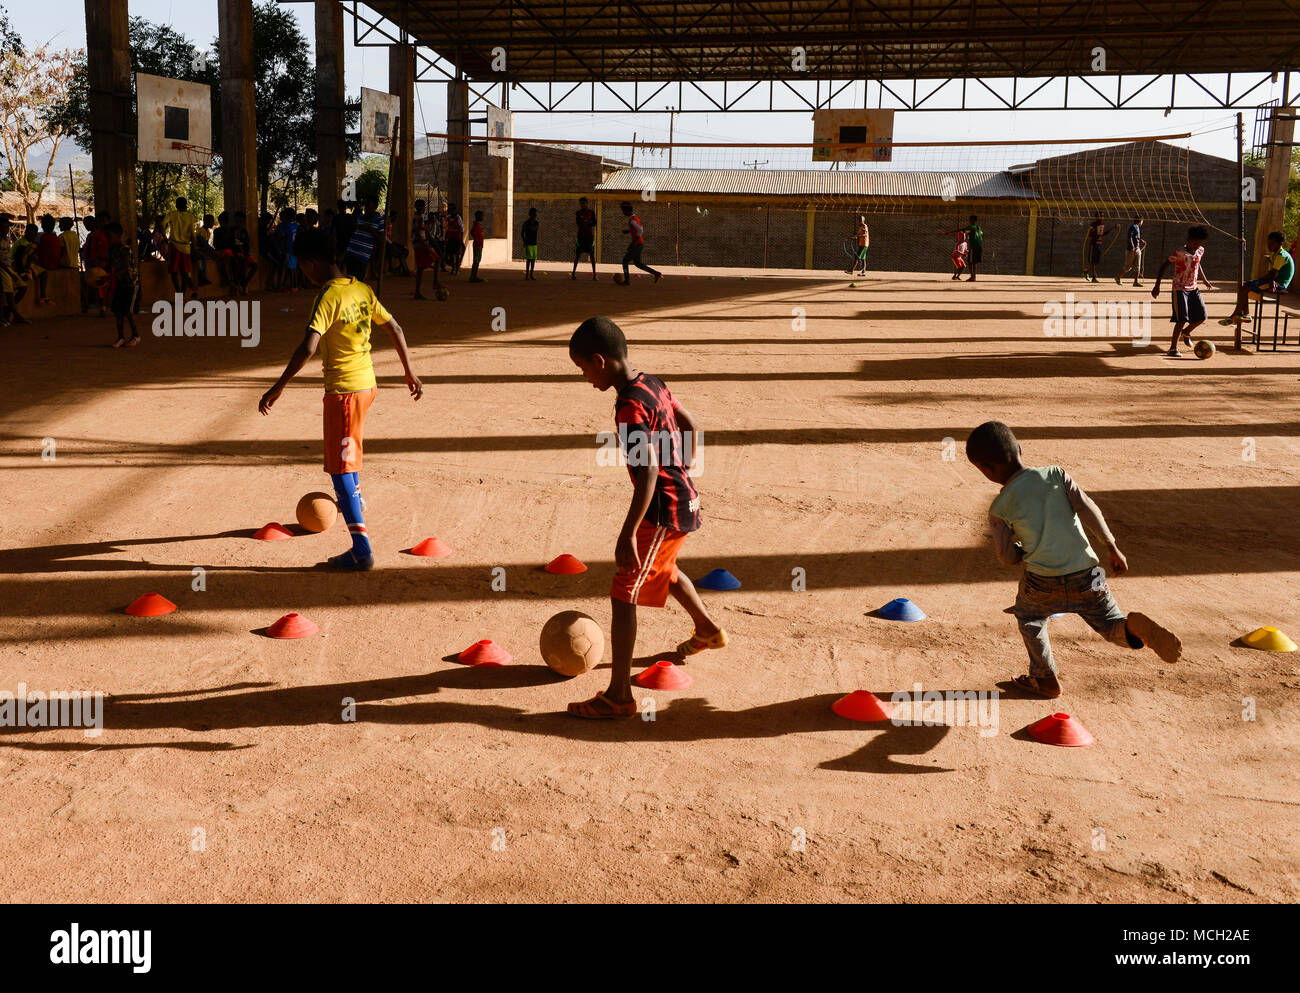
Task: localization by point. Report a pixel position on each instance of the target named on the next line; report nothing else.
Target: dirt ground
(226, 771)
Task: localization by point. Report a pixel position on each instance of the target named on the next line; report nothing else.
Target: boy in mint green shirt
(1038, 521)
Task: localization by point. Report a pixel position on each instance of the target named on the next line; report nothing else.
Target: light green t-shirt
(1035, 503)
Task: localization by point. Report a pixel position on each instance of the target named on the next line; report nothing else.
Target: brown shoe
(1160, 640)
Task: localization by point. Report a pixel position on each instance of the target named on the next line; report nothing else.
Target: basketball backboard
(378, 112)
(872, 129)
(174, 117)
(500, 124)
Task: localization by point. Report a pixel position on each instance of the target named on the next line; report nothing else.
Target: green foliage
(372, 182)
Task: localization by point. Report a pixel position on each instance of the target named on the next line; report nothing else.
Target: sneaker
(1173, 353)
(658, 276)
(349, 561)
(1118, 281)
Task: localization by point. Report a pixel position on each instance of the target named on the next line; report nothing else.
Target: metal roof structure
(803, 183)
(660, 40)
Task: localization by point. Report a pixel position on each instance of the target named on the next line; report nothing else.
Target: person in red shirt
(476, 235)
(96, 255)
(48, 252)
(635, 246)
(658, 439)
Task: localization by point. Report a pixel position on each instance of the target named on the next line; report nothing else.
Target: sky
(62, 22)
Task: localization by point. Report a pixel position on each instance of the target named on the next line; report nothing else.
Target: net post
(1241, 218)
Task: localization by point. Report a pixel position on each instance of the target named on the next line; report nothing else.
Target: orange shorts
(345, 421)
(657, 546)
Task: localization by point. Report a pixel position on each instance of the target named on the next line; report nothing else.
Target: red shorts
(425, 257)
(178, 261)
(657, 546)
(345, 421)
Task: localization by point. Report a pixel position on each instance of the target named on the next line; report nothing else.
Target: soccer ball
(1204, 349)
(572, 643)
(618, 278)
(317, 512)
(96, 277)
(442, 293)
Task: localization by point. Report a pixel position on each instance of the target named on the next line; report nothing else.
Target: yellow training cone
(1269, 639)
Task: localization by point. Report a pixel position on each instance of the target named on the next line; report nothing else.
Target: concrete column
(331, 148)
(1272, 194)
(458, 151)
(401, 184)
(112, 145)
(809, 237)
(238, 112)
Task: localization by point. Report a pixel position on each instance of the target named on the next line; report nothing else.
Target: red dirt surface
(226, 771)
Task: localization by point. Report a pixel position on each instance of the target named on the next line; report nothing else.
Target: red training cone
(273, 532)
(431, 548)
(150, 605)
(861, 706)
(292, 626)
(485, 652)
(566, 565)
(663, 675)
(1061, 729)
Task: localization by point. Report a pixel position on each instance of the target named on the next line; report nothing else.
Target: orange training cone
(292, 626)
(431, 548)
(485, 652)
(566, 565)
(273, 532)
(1061, 729)
(861, 706)
(150, 605)
(663, 675)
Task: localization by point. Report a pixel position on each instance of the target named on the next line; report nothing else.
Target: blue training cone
(719, 579)
(901, 609)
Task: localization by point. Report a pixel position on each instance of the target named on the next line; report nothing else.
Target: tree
(159, 50)
(32, 85)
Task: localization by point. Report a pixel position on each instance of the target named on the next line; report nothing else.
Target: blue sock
(348, 491)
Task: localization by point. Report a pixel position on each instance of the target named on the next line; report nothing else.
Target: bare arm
(399, 345)
(1155, 290)
(1091, 518)
(691, 436)
(643, 491)
(1010, 551)
(305, 350)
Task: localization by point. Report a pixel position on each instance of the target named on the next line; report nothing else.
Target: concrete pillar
(503, 199)
(809, 236)
(331, 148)
(238, 112)
(1031, 241)
(458, 151)
(401, 184)
(112, 144)
(1272, 193)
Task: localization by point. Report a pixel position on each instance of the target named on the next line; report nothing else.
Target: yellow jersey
(72, 248)
(179, 225)
(342, 315)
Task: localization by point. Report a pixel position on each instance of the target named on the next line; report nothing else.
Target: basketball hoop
(197, 163)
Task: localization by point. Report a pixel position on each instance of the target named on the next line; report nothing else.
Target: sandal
(695, 644)
(1030, 684)
(601, 708)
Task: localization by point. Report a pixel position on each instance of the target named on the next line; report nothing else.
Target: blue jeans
(1084, 593)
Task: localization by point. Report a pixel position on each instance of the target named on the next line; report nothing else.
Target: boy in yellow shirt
(179, 225)
(341, 321)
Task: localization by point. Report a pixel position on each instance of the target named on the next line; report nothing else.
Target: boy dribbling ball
(1189, 307)
(658, 437)
(1038, 521)
(345, 312)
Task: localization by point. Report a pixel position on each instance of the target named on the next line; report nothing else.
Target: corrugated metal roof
(818, 183)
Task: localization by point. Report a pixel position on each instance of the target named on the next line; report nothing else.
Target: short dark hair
(1197, 233)
(181, 203)
(1277, 236)
(973, 218)
(992, 443)
(625, 207)
(113, 228)
(316, 244)
(47, 222)
(598, 336)
(478, 215)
